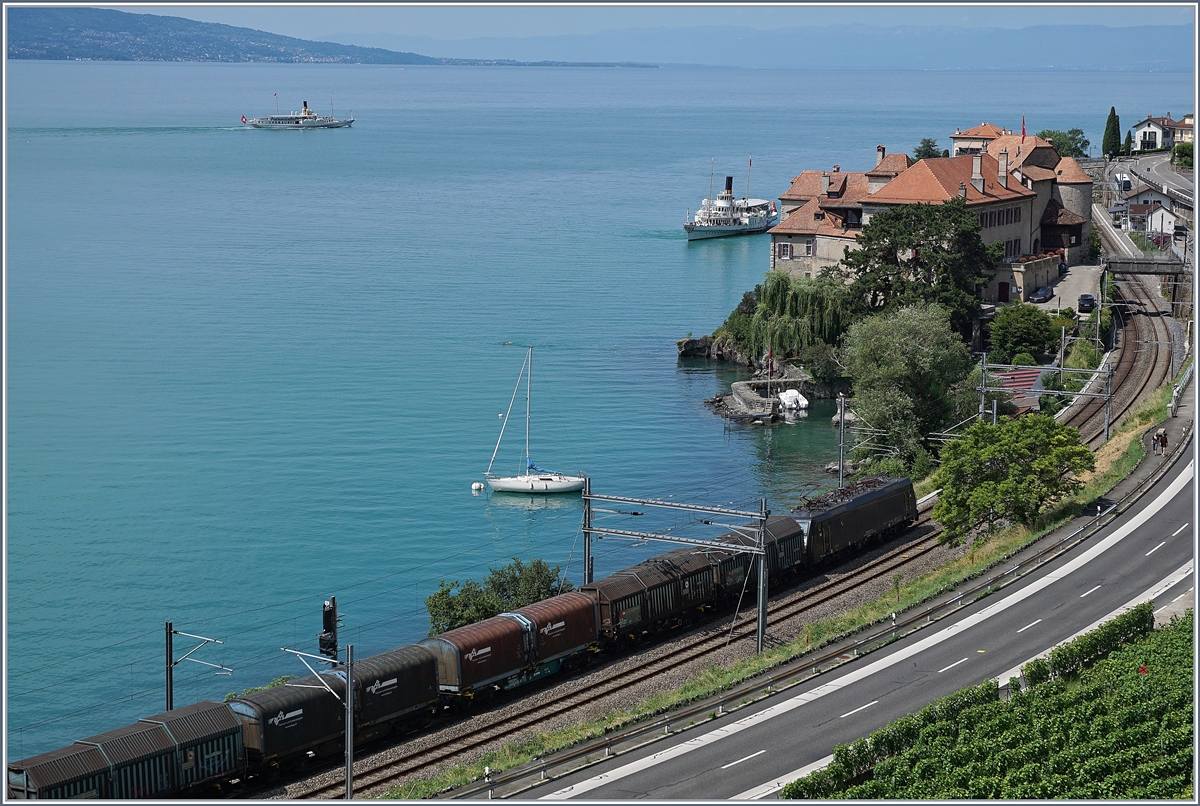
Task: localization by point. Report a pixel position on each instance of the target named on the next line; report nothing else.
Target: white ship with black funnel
(726, 215)
(304, 119)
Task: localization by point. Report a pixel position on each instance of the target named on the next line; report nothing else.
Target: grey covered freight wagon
(161, 755)
(283, 722)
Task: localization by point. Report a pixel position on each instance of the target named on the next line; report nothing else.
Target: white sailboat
(534, 479)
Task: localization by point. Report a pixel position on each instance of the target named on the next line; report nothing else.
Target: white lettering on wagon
(553, 629)
(478, 655)
(381, 685)
(287, 720)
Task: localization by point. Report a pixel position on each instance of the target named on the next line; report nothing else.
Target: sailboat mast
(528, 384)
(711, 166)
(511, 400)
(748, 167)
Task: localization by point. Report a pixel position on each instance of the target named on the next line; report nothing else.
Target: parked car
(1087, 303)
(1043, 294)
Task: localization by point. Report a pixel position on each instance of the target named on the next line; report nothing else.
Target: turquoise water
(249, 370)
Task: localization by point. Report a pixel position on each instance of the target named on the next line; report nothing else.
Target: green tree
(1007, 472)
(1181, 155)
(798, 312)
(1112, 133)
(1127, 149)
(1070, 143)
(519, 584)
(508, 588)
(278, 681)
(914, 253)
(904, 364)
(1023, 328)
(927, 149)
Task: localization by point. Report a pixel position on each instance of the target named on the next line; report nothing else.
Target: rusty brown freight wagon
(480, 655)
(563, 626)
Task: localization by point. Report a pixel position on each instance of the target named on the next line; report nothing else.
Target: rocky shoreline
(758, 398)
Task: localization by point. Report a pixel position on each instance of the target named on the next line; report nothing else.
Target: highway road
(1157, 167)
(1146, 553)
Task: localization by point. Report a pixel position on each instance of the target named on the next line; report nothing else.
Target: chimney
(824, 184)
(977, 172)
(880, 153)
(1002, 173)
(962, 190)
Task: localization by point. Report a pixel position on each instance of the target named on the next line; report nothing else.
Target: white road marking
(1173, 601)
(952, 665)
(1158, 590)
(740, 760)
(1156, 548)
(859, 708)
(771, 787)
(1180, 529)
(1093, 590)
(901, 655)
(1027, 626)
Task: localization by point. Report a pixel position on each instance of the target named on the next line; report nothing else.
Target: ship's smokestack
(729, 185)
(305, 108)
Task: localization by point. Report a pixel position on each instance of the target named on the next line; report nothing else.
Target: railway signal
(327, 641)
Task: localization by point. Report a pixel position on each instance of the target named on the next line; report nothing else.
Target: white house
(1161, 132)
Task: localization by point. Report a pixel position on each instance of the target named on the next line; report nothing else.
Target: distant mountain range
(106, 35)
(102, 34)
(842, 48)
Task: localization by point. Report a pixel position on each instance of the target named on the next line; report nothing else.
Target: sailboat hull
(536, 483)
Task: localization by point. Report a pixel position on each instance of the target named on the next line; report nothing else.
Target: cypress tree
(1112, 133)
(1129, 142)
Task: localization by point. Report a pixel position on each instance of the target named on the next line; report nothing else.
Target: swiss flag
(1022, 128)
(243, 118)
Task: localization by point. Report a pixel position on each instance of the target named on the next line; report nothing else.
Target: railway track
(370, 776)
(1143, 355)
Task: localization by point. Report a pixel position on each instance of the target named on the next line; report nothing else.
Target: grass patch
(1114, 461)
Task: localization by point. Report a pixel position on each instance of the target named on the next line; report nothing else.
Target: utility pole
(758, 536)
(172, 663)
(587, 531)
(982, 383)
(349, 721)
(348, 665)
(841, 438)
(762, 576)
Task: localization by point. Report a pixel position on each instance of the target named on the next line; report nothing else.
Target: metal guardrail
(1177, 391)
(518, 779)
(1163, 188)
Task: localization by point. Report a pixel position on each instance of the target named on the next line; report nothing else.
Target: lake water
(249, 370)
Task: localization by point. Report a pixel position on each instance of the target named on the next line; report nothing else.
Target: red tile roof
(803, 221)
(982, 130)
(1056, 214)
(1037, 173)
(1069, 172)
(804, 187)
(891, 165)
(1018, 152)
(937, 180)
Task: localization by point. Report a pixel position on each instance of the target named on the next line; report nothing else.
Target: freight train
(208, 743)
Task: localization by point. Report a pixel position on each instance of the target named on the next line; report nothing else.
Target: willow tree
(798, 312)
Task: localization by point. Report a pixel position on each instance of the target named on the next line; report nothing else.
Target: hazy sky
(465, 21)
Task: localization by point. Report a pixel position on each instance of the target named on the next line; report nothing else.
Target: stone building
(1027, 197)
